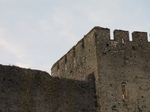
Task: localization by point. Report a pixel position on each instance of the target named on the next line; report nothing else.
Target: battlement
(121, 68)
(98, 74)
(102, 35)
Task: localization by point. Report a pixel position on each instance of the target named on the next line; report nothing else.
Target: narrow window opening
(82, 43)
(74, 52)
(123, 41)
(65, 59)
(125, 96)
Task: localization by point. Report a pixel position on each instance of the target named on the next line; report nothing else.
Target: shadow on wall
(26, 90)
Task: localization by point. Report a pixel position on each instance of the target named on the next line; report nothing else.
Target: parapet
(120, 67)
(102, 35)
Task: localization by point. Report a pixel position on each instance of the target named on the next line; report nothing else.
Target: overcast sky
(36, 33)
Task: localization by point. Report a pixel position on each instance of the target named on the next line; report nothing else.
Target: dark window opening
(82, 43)
(65, 59)
(74, 52)
(125, 95)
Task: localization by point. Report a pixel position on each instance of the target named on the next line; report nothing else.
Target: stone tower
(121, 68)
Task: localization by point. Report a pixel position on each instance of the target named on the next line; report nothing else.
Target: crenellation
(120, 68)
(98, 74)
(140, 37)
(77, 57)
(140, 42)
(102, 35)
(121, 36)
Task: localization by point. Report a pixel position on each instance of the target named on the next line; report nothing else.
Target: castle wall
(121, 68)
(26, 90)
(124, 71)
(96, 75)
(80, 61)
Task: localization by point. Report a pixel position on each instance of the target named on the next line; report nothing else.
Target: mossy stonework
(26, 90)
(96, 75)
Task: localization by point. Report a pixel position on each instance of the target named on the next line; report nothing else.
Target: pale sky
(36, 33)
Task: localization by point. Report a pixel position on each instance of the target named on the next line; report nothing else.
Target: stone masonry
(26, 90)
(96, 75)
(121, 68)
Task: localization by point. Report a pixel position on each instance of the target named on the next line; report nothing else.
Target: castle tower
(121, 68)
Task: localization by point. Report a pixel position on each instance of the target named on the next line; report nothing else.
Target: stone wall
(26, 90)
(96, 75)
(124, 71)
(121, 69)
(80, 61)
